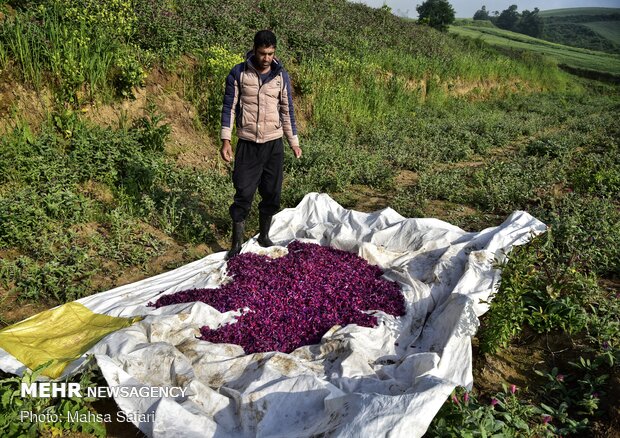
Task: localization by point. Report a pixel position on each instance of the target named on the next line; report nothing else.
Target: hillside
(579, 60)
(590, 28)
(110, 173)
(578, 12)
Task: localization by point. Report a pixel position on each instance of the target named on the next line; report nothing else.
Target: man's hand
(226, 151)
(296, 151)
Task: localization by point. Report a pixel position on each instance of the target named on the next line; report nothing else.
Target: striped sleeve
(287, 112)
(231, 97)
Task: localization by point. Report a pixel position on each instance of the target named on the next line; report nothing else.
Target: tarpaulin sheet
(389, 380)
(58, 336)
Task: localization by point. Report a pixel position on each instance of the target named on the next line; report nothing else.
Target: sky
(466, 9)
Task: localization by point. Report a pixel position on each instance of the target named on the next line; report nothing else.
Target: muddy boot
(264, 223)
(237, 239)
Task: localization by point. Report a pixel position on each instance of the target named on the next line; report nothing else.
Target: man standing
(258, 98)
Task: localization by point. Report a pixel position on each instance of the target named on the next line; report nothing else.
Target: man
(258, 98)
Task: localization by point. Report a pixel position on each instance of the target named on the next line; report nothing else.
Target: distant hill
(578, 12)
(585, 62)
(589, 28)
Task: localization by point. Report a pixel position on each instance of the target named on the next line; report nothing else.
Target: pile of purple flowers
(295, 299)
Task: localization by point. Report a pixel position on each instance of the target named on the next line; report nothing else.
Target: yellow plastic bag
(61, 335)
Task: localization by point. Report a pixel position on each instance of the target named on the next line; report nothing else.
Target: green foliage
(4, 57)
(187, 204)
(21, 40)
(527, 22)
(576, 58)
(436, 13)
(206, 83)
(116, 18)
(585, 230)
(571, 399)
(118, 179)
(544, 285)
(82, 45)
(11, 425)
(580, 35)
(328, 166)
(499, 186)
(150, 132)
(463, 415)
(560, 405)
(597, 174)
(128, 72)
(508, 18)
(590, 28)
(530, 23)
(482, 14)
(303, 28)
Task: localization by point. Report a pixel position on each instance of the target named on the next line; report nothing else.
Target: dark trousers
(257, 165)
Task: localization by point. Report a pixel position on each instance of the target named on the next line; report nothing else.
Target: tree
(436, 13)
(509, 18)
(530, 23)
(482, 14)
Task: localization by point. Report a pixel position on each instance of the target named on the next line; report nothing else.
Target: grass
(607, 29)
(578, 11)
(571, 56)
(78, 59)
(590, 28)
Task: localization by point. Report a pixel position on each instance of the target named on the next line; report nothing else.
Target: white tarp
(385, 381)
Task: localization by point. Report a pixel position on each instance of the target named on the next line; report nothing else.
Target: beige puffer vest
(263, 110)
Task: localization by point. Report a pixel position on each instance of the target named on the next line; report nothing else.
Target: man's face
(264, 56)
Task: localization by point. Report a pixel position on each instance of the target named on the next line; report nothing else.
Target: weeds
(131, 183)
(56, 410)
(205, 83)
(556, 407)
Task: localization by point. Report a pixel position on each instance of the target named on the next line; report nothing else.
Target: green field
(590, 28)
(607, 29)
(571, 56)
(578, 11)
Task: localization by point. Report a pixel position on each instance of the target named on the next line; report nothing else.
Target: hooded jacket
(262, 110)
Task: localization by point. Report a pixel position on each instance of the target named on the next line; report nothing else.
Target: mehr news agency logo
(72, 389)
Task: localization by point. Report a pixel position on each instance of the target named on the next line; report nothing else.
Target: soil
(115, 428)
(518, 365)
(21, 106)
(367, 199)
(14, 310)
(188, 143)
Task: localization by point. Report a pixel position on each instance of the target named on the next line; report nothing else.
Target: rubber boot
(238, 230)
(264, 223)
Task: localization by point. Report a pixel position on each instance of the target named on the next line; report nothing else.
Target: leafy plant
(12, 424)
(464, 415)
(150, 132)
(129, 73)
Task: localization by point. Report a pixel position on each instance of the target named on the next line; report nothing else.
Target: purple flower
(513, 389)
(560, 377)
(294, 299)
(494, 401)
(605, 345)
(455, 400)
(466, 397)
(546, 418)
